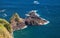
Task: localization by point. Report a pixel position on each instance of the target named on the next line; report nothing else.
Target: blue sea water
(48, 9)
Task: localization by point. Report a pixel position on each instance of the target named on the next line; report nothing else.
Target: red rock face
(31, 19)
(17, 23)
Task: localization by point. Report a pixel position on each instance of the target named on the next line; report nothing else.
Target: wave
(36, 2)
(4, 15)
(3, 10)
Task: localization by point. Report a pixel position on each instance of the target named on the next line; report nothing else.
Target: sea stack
(34, 19)
(17, 23)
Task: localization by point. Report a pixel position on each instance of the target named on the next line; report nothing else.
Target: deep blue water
(48, 9)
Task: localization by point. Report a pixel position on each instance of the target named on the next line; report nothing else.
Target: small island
(34, 19)
(17, 23)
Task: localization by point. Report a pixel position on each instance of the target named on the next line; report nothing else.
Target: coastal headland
(17, 23)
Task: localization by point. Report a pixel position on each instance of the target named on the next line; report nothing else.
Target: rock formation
(17, 23)
(34, 19)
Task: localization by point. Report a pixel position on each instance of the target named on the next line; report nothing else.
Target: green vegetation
(15, 15)
(6, 25)
(4, 33)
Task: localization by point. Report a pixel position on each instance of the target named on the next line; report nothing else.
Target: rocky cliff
(17, 22)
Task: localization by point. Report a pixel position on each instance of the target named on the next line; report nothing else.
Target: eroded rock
(34, 19)
(17, 23)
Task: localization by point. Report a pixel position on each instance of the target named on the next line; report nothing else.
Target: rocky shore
(17, 23)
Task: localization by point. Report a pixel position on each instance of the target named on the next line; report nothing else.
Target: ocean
(47, 9)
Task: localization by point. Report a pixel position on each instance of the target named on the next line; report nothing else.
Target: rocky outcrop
(34, 19)
(17, 23)
(5, 29)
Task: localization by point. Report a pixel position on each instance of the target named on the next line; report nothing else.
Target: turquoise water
(47, 9)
